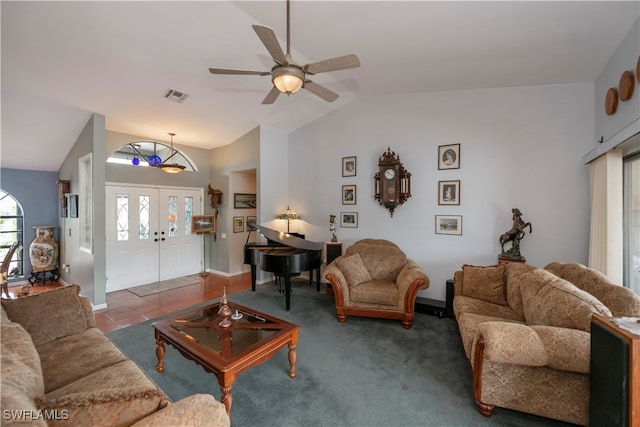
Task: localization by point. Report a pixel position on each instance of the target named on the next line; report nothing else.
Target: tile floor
(125, 308)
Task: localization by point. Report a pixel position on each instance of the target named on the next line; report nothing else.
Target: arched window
(150, 154)
(11, 231)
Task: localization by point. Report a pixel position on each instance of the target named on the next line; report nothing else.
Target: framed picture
(238, 224)
(244, 201)
(73, 206)
(348, 194)
(63, 207)
(449, 156)
(251, 220)
(448, 192)
(349, 219)
(449, 224)
(349, 166)
(203, 224)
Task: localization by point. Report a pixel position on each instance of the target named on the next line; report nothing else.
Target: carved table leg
(292, 360)
(160, 352)
(227, 398)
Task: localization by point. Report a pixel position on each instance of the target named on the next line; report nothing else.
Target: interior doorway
(149, 235)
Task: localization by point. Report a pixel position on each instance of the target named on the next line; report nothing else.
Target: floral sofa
(526, 333)
(57, 368)
(374, 278)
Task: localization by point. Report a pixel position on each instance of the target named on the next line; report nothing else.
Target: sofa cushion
(28, 310)
(463, 304)
(70, 358)
(552, 301)
(199, 409)
(117, 395)
(513, 281)
(20, 374)
(484, 283)
(353, 269)
(382, 258)
(375, 292)
(621, 301)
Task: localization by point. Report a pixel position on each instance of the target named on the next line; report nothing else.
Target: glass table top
(247, 328)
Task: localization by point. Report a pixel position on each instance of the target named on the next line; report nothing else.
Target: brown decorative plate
(626, 85)
(611, 101)
(638, 70)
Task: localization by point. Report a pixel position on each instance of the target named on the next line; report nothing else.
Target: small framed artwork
(73, 206)
(203, 224)
(348, 194)
(63, 206)
(449, 192)
(238, 224)
(349, 219)
(449, 156)
(449, 224)
(244, 201)
(349, 166)
(251, 220)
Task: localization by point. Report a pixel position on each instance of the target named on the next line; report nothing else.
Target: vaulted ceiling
(62, 61)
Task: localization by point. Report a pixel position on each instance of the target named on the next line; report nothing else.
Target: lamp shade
(288, 79)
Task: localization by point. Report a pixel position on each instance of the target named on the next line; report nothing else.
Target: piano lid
(285, 238)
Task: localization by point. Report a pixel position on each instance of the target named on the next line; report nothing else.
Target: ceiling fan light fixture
(288, 79)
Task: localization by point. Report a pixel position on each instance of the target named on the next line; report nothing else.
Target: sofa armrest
(333, 274)
(409, 275)
(567, 349)
(195, 410)
(564, 349)
(506, 342)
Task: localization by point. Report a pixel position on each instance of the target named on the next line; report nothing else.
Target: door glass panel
(143, 208)
(632, 223)
(188, 211)
(122, 217)
(173, 216)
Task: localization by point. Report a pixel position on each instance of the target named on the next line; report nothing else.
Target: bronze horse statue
(517, 231)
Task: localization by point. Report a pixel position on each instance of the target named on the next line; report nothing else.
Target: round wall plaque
(611, 101)
(626, 85)
(638, 70)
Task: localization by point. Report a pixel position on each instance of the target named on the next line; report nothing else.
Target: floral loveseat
(374, 278)
(57, 368)
(526, 333)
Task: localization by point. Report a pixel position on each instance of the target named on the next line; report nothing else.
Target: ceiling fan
(287, 76)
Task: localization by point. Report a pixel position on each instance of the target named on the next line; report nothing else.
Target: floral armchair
(374, 278)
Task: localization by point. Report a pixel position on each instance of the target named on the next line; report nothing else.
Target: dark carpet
(365, 372)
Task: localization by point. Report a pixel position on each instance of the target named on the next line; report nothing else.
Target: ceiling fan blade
(333, 64)
(271, 96)
(238, 72)
(270, 41)
(321, 91)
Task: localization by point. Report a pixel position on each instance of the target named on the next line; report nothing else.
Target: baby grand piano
(284, 255)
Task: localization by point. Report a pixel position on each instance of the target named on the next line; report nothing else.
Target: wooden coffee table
(226, 351)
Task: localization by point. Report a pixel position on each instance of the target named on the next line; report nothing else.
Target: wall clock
(392, 181)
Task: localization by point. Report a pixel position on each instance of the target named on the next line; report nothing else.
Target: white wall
(245, 183)
(625, 122)
(520, 147)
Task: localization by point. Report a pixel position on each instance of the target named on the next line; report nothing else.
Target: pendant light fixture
(171, 167)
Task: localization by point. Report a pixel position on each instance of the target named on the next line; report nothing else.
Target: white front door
(149, 235)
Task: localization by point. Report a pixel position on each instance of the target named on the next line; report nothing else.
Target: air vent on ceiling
(175, 96)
